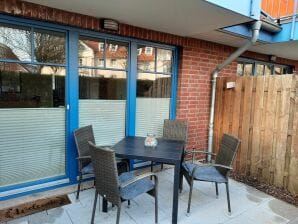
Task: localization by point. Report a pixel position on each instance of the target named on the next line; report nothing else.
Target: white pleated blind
(150, 115)
(107, 118)
(32, 144)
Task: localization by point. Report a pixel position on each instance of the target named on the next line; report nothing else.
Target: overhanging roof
(184, 18)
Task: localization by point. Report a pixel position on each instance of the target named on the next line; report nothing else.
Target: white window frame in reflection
(148, 50)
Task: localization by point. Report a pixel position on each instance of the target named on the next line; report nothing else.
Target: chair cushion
(88, 169)
(133, 190)
(204, 173)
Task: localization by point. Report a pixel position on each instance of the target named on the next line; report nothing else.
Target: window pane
(248, 69)
(146, 59)
(164, 61)
(116, 56)
(240, 69)
(102, 103)
(91, 52)
(153, 85)
(259, 70)
(102, 84)
(27, 86)
(49, 47)
(267, 70)
(15, 43)
(153, 103)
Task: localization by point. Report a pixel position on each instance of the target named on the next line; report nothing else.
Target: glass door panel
(102, 88)
(153, 90)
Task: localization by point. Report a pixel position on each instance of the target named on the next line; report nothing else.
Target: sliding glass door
(32, 104)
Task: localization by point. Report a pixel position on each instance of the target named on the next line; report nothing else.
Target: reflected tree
(16, 44)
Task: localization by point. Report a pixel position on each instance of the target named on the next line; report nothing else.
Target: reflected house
(19, 83)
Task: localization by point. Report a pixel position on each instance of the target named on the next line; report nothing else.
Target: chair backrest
(82, 136)
(175, 130)
(227, 152)
(105, 171)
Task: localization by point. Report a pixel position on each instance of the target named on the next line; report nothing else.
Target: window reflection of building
(24, 84)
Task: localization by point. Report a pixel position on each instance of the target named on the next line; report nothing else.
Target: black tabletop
(166, 151)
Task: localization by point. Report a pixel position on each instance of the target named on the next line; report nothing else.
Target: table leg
(104, 205)
(176, 194)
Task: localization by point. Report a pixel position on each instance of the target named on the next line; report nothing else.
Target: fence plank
(256, 137)
(246, 123)
(282, 129)
(237, 92)
(292, 149)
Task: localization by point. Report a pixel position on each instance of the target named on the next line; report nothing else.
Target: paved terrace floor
(249, 206)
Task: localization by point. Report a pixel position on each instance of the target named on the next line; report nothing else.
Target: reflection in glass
(91, 52)
(15, 43)
(277, 70)
(267, 70)
(153, 85)
(247, 69)
(146, 59)
(27, 86)
(240, 69)
(164, 61)
(259, 70)
(102, 84)
(116, 55)
(49, 47)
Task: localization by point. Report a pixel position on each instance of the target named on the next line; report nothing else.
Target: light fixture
(110, 25)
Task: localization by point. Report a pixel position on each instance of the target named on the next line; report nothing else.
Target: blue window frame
(71, 93)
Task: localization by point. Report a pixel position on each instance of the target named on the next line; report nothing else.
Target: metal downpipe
(255, 35)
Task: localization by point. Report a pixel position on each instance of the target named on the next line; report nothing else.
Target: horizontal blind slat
(150, 115)
(32, 144)
(107, 118)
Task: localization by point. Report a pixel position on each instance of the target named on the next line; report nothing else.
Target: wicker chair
(175, 130)
(114, 188)
(82, 136)
(212, 172)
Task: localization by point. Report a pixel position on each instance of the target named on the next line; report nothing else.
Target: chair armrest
(198, 151)
(209, 164)
(83, 157)
(139, 177)
(216, 165)
(193, 152)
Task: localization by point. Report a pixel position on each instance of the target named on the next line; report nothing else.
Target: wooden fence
(263, 113)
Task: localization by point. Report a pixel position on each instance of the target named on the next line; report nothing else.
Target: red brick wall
(197, 60)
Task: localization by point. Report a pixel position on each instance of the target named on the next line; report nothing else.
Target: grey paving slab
(249, 206)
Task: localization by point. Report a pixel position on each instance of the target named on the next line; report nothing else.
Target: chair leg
(161, 166)
(128, 203)
(118, 214)
(79, 186)
(94, 207)
(181, 183)
(156, 203)
(228, 197)
(189, 198)
(216, 189)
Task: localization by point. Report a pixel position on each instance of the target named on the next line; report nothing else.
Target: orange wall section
(278, 8)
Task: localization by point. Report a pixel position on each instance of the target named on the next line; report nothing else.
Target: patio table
(167, 151)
